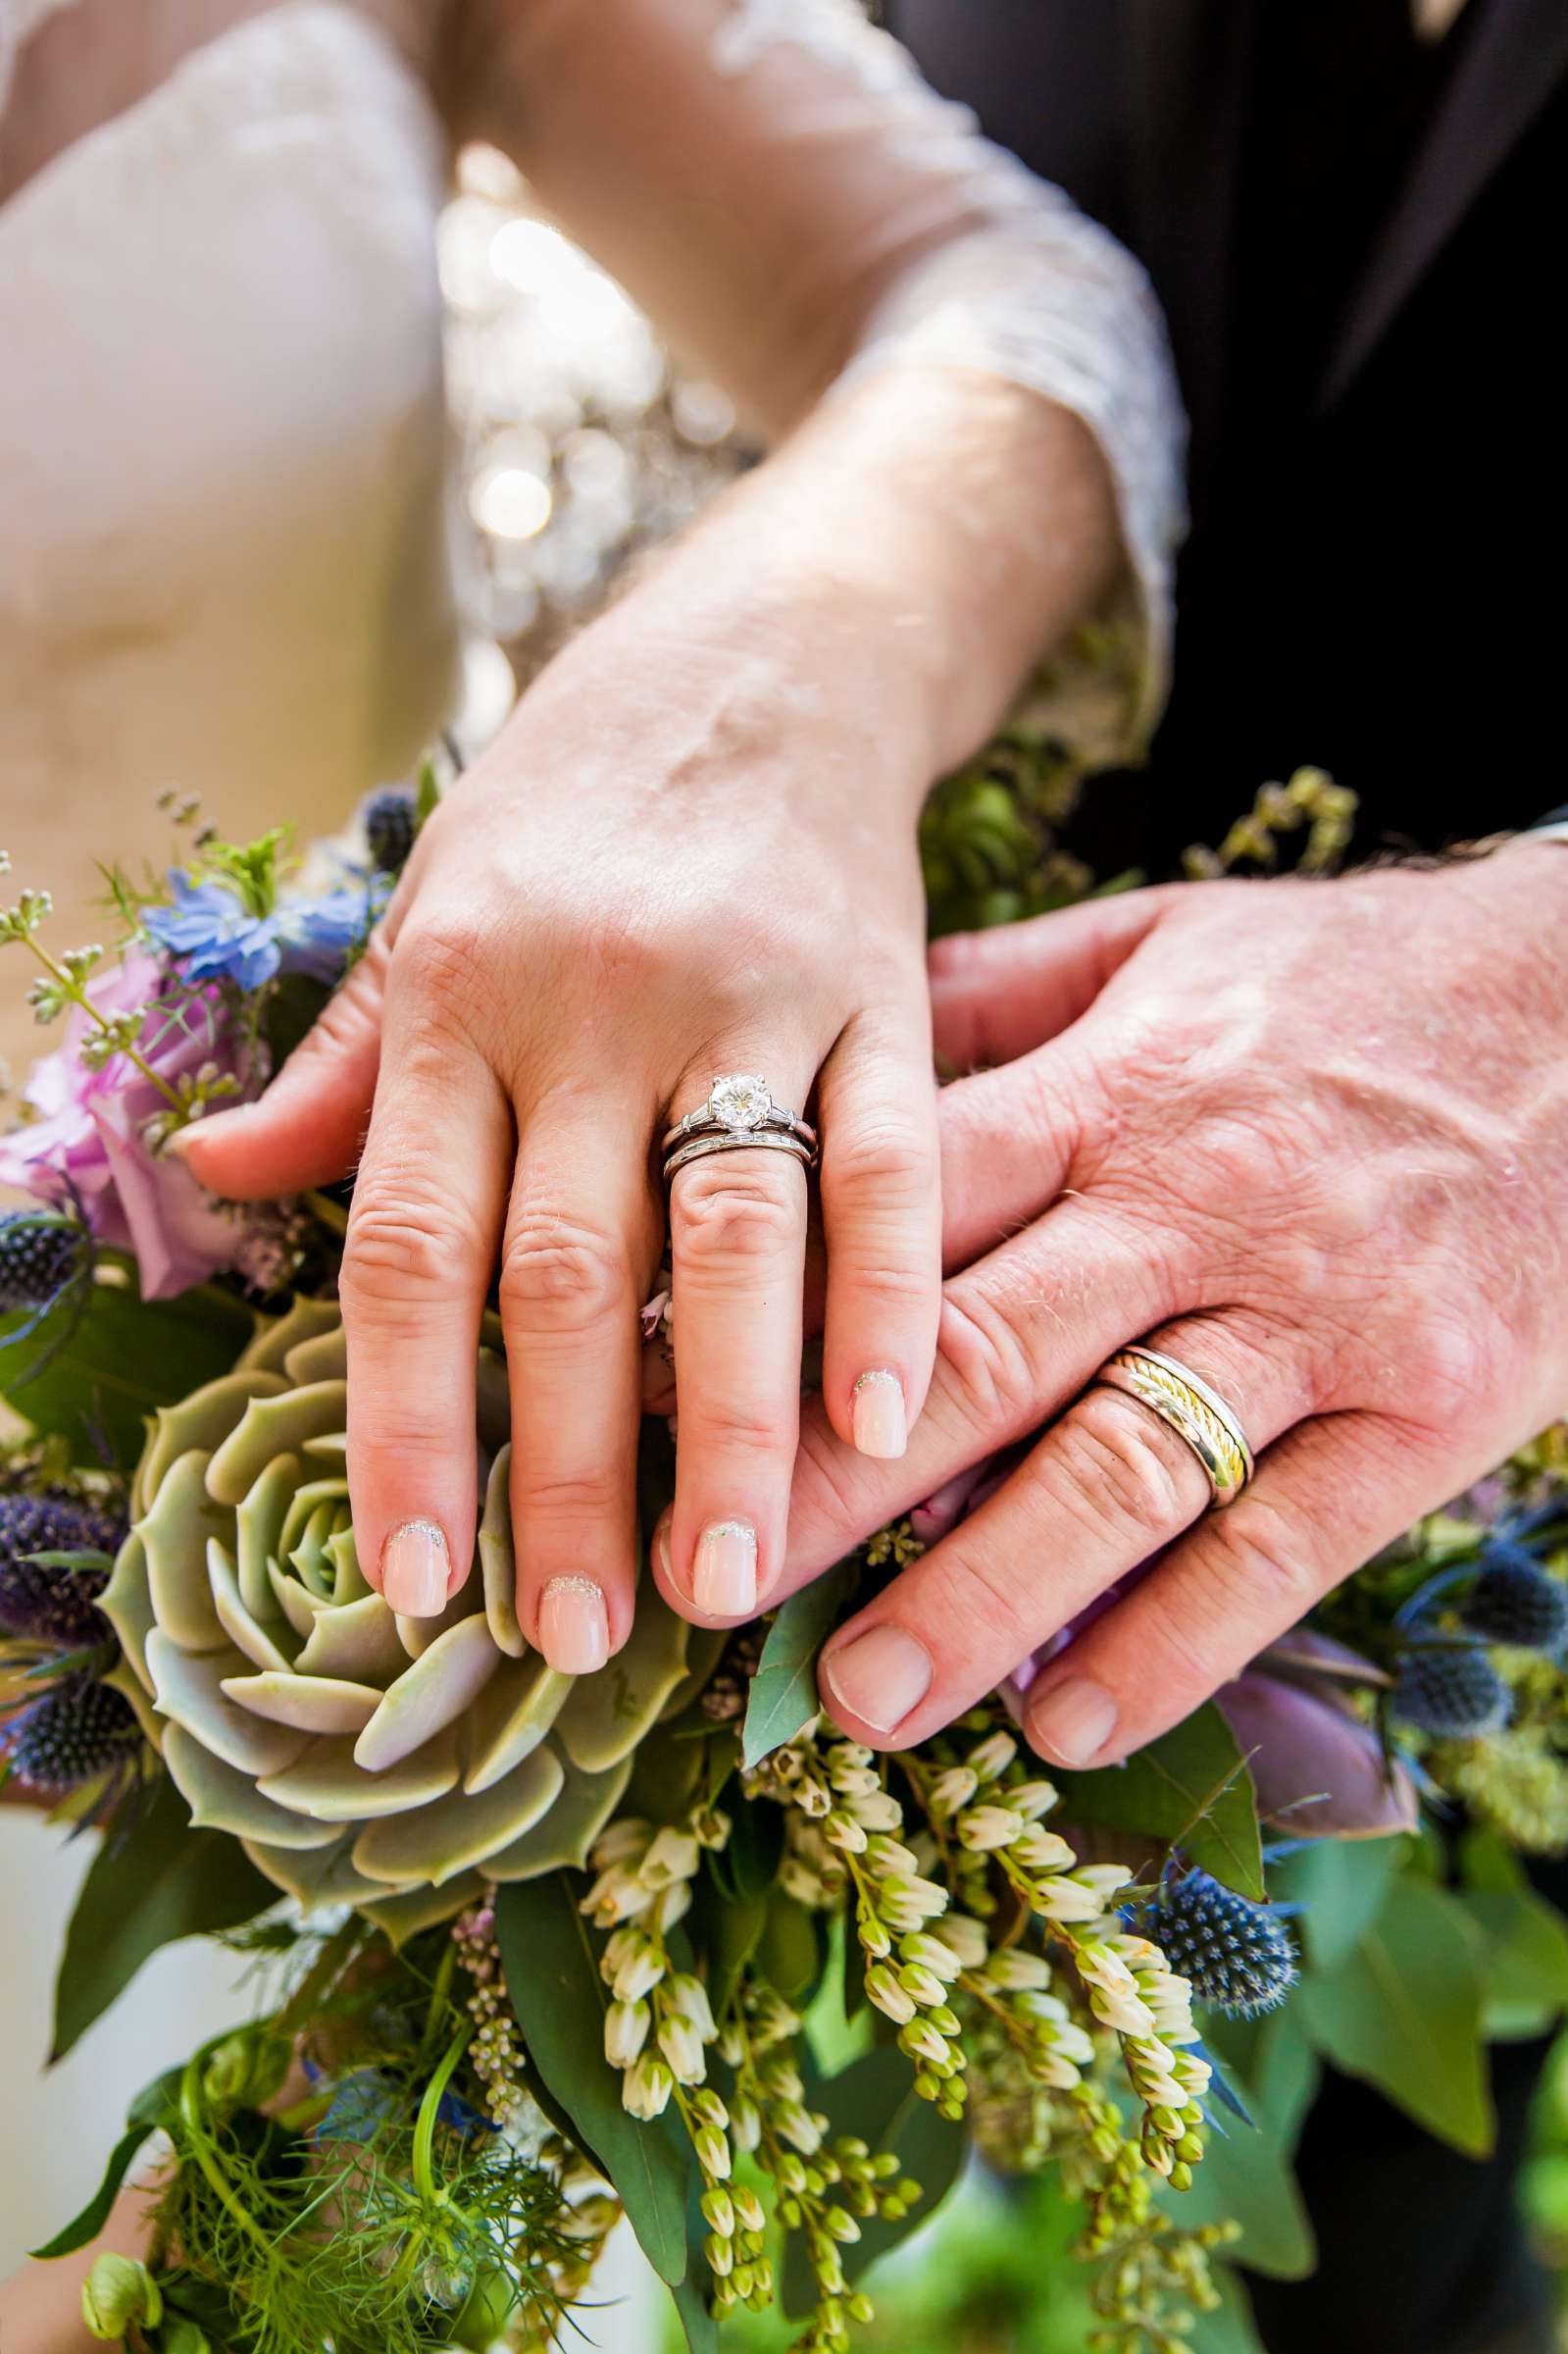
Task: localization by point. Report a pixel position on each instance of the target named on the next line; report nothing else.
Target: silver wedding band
(698, 1148)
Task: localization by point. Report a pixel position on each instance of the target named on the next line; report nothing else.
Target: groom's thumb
(997, 995)
(309, 1127)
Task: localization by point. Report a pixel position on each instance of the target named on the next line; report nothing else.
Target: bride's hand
(692, 852)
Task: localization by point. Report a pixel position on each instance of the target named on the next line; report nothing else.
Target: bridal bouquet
(534, 1953)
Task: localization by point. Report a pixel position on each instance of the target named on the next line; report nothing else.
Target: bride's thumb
(309, 1127)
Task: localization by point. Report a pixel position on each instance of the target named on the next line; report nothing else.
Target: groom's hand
(1309, 1139)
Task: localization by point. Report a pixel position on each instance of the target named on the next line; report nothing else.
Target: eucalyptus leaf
(1191, 1787)
(124, 1359)
(153, 1881)
(784, 1690)
(1404, 2011)
(551, 1959)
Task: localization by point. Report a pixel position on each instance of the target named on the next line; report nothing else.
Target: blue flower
(217, 936)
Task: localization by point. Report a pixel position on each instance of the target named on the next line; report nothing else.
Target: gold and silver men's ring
(1194, 1411)
(738, 1114)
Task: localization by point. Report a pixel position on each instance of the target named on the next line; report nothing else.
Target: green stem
(425, 2124)
(78, 995)
(201, 2148)
(440, 1997)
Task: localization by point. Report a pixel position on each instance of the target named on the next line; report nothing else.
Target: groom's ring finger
(737, 1240)
(1107, 1487)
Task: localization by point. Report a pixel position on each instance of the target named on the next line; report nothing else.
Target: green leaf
(551, 1959)
(126, 1357)
(1404, 2011)
(784, 1690)
(93, 2217)
(153, 1881)
(727, 1930)
(1191, 1787)
(1275, 2065)
(874, 2097)
(1341, 1886)
(1525, 1962)
(748, 1863)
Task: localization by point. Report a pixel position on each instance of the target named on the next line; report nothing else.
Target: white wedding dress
(224, 540)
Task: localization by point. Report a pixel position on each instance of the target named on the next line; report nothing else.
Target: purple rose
(89, 1134)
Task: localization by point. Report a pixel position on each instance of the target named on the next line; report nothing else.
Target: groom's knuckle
(1116, 1468)
(990, 1360)
(886, 1165)
(440, 962)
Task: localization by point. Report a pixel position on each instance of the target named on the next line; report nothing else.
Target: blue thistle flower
(1451, 1690)
(41, 1252)
(389, 829)
(1515, 1601)
(75, 1730)
(1237, 1956)
(54, 1605)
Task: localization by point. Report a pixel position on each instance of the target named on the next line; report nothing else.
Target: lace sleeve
(1034, 291)
(797, 209)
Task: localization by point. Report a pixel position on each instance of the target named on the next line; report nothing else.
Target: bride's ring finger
(735, 1160)
(1110, 1485)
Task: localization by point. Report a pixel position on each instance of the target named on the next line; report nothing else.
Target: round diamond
(740, 1100)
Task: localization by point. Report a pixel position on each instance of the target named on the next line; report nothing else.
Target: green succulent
(393, 1763)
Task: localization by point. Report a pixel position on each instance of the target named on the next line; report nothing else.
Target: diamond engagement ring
(738, 1114)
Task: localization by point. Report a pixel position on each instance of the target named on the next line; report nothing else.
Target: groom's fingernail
(416, 1568)
(880, 1676)
(877, 1417)
(1072, 1722)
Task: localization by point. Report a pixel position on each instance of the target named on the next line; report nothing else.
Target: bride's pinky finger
(1324, 1500)
(882, 1221)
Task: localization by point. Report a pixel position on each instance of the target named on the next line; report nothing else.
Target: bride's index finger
(422, 1241)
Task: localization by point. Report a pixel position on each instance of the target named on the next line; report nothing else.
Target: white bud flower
(671, 1905)
(634, 1967)
(672, 1856)
(909, 1903)
(1063, 1898)
(1106, 1879)
(683, 2047)
(923, 1984)
(1126, 2012)
(877, 1811)
(842, 1830)
(615, 1895)
(625, 2032)
(688, 1997)
(745, 2124)
(884, 1855)
(965, 1937)
(992, 1756)
(1042, 1851)
(1015, 1968)
(624, 1842)
(951, 1790)
(932, 1953)
(1033, 1799)
(981, 1828)
(799, 2129)
(645, 2090)
(891, 1999)
(713, 2152)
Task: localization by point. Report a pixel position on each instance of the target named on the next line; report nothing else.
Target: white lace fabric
(1032, 291)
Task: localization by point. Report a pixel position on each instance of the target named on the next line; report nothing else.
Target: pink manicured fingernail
(415, 1569)
(876, 1416)
(573, 1625)
(724, 1569)
(1072, 1720)
(880, 1676)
